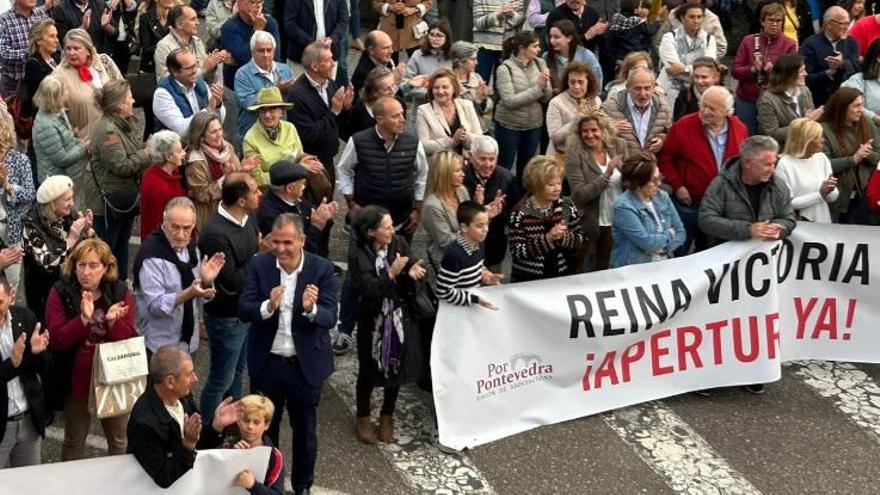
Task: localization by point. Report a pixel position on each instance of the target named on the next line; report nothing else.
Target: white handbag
(420, 30)
(119, 377)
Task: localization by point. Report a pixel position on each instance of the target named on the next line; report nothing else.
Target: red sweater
(874, 192)
(687, 159)
(64, 334)
(747, 90)
(158, 187)
(865, 31)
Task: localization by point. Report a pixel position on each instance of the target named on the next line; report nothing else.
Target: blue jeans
(518, 145)
(748, 113)
(227, 341)
(690, 215)
(487, 60)
(348, 299)
(116, 233)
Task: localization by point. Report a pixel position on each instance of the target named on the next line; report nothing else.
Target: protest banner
(212, 474)
(569, 347)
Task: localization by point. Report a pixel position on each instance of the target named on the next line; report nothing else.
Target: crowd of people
(552, 138)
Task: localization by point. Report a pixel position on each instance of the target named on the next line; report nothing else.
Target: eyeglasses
(839, 23)
(657, 180)
(436, 34)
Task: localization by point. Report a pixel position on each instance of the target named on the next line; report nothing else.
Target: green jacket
(286, 147)
(846, 171)
(57, 150)
(118, 161)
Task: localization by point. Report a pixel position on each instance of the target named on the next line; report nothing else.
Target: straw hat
(270, 98)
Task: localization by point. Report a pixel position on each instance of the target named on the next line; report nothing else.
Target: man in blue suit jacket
(830, 56)
(289, 297)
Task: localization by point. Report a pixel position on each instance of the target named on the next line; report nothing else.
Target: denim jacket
(635, 230)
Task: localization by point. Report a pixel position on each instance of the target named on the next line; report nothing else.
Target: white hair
(262, 37)
(635, 72)
(728, 97)
(178, 202)
(161, 144)
(484, 144)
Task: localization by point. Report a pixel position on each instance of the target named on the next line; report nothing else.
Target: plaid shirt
(14, 29)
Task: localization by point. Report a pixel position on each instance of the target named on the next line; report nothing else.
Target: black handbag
(119, 205)
(122, 205)
(423, 303)
(143, 85)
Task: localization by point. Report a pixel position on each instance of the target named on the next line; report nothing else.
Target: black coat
(155, 439)
(502, 180)
(150, 31)
(373, 289)
(364, 66)
(686, 102)
(588, 18)
(271, 206)
(315, 122)
(68, 16)
(30, 371)
(35, 70)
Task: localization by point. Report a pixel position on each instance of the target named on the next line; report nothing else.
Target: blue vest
(176, 92)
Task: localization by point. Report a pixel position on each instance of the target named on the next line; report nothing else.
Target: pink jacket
(772, 49)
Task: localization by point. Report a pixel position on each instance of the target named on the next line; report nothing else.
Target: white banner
(212, 474)
(569, 347)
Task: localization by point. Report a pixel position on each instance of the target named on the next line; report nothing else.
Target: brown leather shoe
(365, 431)
(356, 44)
(386, 428)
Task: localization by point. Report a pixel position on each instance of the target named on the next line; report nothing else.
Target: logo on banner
(521, 370)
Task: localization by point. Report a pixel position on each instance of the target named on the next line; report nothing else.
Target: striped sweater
(489, 32)
(533, 257)
(461, 269)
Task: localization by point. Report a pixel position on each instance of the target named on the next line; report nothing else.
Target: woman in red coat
(87, 307)
(163, 180)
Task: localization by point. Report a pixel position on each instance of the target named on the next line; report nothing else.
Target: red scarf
(85, 73)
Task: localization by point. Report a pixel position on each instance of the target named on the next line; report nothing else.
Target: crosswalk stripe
(424, 467)
(675, 451)
(854, 393)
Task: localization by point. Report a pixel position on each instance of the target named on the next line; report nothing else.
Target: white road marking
(421, 465)
(675, 451)
(854, 393)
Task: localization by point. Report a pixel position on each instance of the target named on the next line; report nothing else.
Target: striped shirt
(460, 270)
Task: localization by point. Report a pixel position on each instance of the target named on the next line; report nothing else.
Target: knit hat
(269, 97)
(462, 50)
(53, 188)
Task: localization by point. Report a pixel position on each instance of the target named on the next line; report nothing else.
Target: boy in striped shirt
(462, 266)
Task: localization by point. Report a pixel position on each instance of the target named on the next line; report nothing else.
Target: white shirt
(169, 113)
(320, 31)
(271, 74)
(609, 195)
(348, 160)
(641, 121)
(283, 345)
(320, 88)
(176, 411)
(14, 389)
(225, 214)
